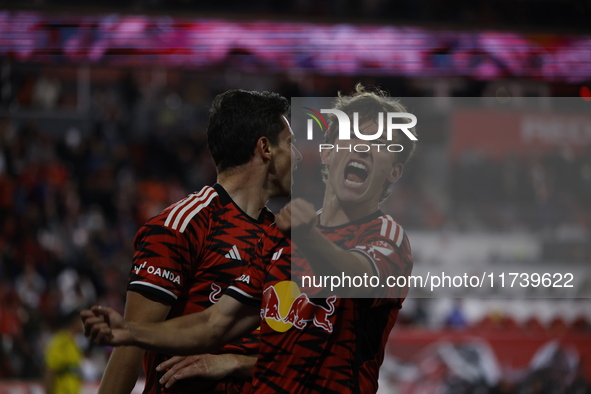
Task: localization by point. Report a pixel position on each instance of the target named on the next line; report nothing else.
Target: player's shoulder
(389, 228)
(197, 206)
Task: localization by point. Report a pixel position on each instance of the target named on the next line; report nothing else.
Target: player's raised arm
(225, 321)
(326, 258)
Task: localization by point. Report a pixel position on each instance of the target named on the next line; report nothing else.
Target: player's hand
(298, 215)
(205, 366)
(104, 326)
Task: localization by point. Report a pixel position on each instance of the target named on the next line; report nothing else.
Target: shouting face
(360, 177)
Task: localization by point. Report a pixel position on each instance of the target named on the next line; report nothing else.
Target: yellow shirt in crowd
(64, 358)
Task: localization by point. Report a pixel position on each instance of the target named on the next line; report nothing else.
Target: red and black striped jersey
(186, 256)
(323, 344)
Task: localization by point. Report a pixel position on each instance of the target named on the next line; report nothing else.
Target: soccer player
(308, 344)
(187, 255)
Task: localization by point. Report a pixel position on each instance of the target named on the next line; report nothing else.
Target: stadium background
(102, 117)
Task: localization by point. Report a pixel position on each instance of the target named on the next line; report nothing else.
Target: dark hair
(368, 104)
(237, 119)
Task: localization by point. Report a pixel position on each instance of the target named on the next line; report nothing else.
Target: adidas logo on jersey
(277, 254)
(233, 254)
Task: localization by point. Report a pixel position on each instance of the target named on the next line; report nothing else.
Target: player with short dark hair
(188, 254)
(237, 119)
(310, 341)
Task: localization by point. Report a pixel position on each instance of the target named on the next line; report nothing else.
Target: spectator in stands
(63, 359)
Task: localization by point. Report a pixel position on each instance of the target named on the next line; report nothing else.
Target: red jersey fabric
(323, 344)
(185, 257)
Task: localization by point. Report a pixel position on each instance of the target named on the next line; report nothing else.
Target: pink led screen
(281, 46)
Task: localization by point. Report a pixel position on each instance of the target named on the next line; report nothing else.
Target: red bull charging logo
(284, 306)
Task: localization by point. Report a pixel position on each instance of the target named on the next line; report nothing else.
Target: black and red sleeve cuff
(161, 294)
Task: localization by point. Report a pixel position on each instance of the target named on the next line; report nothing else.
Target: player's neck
(336, 213)
(246, 188)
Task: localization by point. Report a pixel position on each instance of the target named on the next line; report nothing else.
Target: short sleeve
(162, 260)
(388, 250)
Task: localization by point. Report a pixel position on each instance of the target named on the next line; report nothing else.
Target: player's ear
(263, 148)
(395, 173)
(325, 156)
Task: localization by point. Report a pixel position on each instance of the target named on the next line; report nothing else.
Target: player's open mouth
(355, 173)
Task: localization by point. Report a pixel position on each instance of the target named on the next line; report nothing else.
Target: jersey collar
(225, 199)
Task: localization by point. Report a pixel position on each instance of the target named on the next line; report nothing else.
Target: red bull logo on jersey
(216, 293)
(303, 311)
(284, 306)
